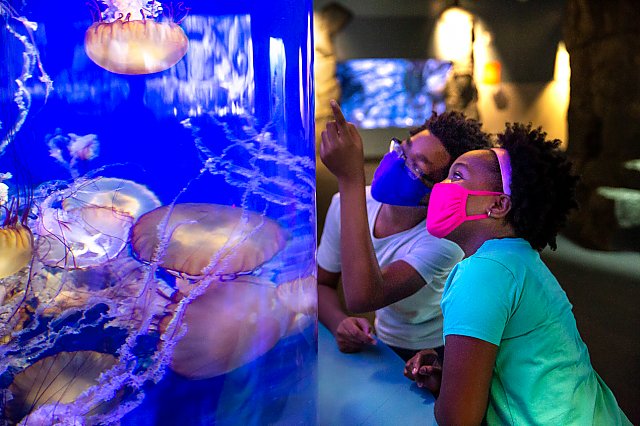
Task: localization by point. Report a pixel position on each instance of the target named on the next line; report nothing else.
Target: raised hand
(353, 334)
(425, 369)
(341, 148)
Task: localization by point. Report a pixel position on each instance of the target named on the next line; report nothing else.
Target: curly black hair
(457, 133)
(542, 184)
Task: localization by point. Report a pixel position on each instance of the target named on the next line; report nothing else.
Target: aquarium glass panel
(157, 208)
(379, 93)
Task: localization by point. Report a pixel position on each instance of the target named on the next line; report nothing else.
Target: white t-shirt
(416, 321)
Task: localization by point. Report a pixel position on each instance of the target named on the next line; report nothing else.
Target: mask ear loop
(505, 168)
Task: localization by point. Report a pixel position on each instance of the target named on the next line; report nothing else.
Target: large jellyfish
(128, 38)
(46, 386)
(217, 251)
(231, 324)
(197, 239)
(93, 224)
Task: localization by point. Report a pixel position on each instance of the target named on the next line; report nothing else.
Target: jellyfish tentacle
(94, 9)
(31, 59)
(182, 8)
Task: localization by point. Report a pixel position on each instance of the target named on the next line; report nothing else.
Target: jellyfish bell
(16, 240)
(231, 324)
(16, 249)
(135, 46)
(55, 381)
(81, 237)
(123, 195)
(197, 239)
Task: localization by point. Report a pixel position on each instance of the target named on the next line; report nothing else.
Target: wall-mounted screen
(379, 93)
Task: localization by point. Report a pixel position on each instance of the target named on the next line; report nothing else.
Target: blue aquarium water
(157, 193)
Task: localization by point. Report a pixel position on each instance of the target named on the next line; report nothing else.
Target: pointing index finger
(337, 114)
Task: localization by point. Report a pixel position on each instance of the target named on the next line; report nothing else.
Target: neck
(410, 216)
(394, 219)
(470, 240)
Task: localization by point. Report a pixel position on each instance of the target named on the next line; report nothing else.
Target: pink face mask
(448, 208)
(448, 202)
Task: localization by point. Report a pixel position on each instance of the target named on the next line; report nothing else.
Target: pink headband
(505, 168)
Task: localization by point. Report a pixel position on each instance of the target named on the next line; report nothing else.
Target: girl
(513, 354)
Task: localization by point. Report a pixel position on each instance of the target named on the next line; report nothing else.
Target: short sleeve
(329, 249)
(479, 298)
(433, 259)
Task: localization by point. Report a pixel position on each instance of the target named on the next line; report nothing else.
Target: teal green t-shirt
(504, 294)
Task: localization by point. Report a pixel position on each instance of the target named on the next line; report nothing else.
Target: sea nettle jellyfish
(230, 325)
(42, 390)
(16, 242)
(197, 239)
(81, 238)
(239, 316)
(129, 39)
(122, 195)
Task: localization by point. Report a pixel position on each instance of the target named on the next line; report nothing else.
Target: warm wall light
(454, 36)
(491, 73)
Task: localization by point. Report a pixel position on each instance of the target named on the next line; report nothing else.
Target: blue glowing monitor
(379, 93)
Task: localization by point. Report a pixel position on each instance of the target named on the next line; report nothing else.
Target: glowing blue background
(140, 125)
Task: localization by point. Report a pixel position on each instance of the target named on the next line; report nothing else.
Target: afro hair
(542, 184)
(457, 133)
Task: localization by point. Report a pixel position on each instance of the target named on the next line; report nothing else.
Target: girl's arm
(466, 379)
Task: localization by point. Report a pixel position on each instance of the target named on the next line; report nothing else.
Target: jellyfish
(300, 297)
(82, 237)
(231, 324)
(80, 148)
(206, 239)
(238, 316)
(128, 38)
(44, 388)
(122, 195)
(16, 241)
(93, 224)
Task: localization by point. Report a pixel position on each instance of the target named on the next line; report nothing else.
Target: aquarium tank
(392, 92)
(157, 194)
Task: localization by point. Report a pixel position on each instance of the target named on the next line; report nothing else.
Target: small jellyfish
(128, 38)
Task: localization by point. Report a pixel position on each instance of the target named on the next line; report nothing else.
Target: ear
(500, 207)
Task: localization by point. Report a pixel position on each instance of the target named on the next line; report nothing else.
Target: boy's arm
(366, 286)
(351, 333)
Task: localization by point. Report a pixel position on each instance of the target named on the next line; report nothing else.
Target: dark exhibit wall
(526, 34)
(604, 121)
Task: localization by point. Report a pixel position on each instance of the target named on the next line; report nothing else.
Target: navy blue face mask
(393, 183)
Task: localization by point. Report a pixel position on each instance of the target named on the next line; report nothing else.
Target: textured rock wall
(603, 40)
